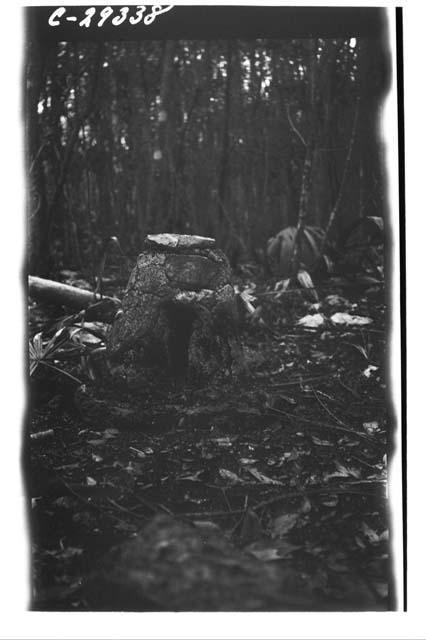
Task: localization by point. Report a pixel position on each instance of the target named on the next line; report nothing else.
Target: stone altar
(179, 309)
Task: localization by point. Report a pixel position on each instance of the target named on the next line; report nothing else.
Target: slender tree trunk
(361, 190)
(223, 187)
(371, 87)
(303, 202)
(337, 204)
(306, 183)
(165, 162)
(138, 132)
(36, 188)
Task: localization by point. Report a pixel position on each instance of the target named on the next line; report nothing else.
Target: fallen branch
(41, 435)
(100, 307)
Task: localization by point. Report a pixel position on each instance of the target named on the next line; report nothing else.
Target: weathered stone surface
(197, 272)
(179, 312)
(179, 241)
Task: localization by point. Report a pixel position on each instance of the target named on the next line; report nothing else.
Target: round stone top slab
(178, 241)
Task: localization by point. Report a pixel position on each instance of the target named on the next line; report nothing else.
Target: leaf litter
(276, 474)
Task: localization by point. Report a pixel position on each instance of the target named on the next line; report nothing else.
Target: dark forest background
(235, 139)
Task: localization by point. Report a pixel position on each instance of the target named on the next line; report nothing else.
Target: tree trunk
(306, 185)
(164, 114)
(223, 187)
(36, 202)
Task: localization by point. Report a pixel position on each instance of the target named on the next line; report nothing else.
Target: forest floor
(288, 462)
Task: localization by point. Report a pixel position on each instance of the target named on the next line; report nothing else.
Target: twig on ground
(318, 490)
(323, 425)
(90, 504)
(241, 518)
(289, 383)
(225, 497)
(365, 463)
(291, 494)
(154, 507)
(124, 510)
(327, 410)
(351, 391)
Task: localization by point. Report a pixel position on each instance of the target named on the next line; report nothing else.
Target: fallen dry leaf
(348, 319)
(283, 524)
(230, 476)
(262, 478)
